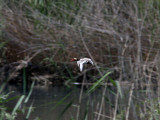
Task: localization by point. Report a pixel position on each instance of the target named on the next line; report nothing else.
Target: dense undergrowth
(119, 35)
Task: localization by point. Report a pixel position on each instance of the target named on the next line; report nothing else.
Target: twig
(102, 101)
(129, 102)
(103, 115)
(116, 106)
(80, 96)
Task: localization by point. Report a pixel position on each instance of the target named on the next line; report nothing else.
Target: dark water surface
(61, 102)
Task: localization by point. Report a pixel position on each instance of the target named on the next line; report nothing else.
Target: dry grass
(119, 34)
(116, 34)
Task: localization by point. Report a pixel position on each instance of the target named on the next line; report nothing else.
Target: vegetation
(19, 108)
(115, 34)
(122, 38)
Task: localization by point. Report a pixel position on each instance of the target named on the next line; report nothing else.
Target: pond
(71, 103)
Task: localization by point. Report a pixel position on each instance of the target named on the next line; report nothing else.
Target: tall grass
(19, 106)
(117, 34)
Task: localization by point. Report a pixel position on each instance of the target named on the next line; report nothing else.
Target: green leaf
(95, 85)
(112, 81)
(12, 98)
(29, 111)
(2, 44)
(119, 88)
(61, 101)
(65, 109)
(86, 111)
(24, 81)
(29, 94)
(18, 104)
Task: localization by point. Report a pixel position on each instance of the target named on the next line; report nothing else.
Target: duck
(82, 61)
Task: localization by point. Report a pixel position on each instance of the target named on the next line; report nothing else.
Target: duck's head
(74, 59)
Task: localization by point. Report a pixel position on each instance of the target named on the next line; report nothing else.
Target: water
(51, 103)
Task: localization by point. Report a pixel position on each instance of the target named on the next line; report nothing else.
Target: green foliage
(103, 23)
(4, 98)
(4, 115)
(98, 83)
(121, 115)
(24, 81)
(119, 89)
(61, 101)
(29, 111)
(43, 6)
(30, 92)
(153, 108)
(17, 105)
(62, 10)
(86, 111)
(65, 109)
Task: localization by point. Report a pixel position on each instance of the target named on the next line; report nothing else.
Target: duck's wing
(81, 66)
(91, 61)
(87, 60)
(78, 63)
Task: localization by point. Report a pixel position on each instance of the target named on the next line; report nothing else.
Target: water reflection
(62, 102)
